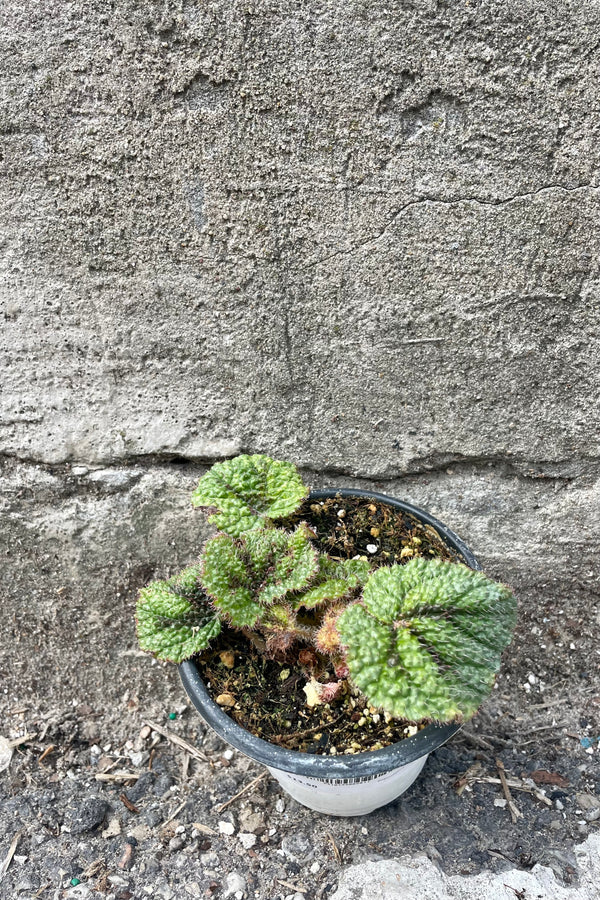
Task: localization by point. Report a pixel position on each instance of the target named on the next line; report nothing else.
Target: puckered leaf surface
(174, 619)
(334, 580)
(425, 640)
(245, 575)
(247, 490)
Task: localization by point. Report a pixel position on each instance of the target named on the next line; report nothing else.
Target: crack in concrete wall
(569, 470)
(481, 201)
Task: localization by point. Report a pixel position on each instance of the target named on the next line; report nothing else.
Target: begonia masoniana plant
(420, 640)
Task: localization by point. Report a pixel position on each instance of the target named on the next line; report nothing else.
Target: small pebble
(80, 892)
(89, 814)
(177, 843)
(226, 699)
(298, 847)
(112, 829)
(280, 805)
(138, 758)
(127, 859)
(226, 828)
(251, 821)
(247, 840)
(140, 832)
(234, 884)
(587, 801)
(372, 548)
(227, 657)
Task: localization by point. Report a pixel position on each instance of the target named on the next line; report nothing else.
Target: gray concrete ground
(414, 877)
(78, 546)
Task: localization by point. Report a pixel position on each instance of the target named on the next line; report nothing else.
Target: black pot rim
(359, 765)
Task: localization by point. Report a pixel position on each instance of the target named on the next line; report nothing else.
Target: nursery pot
(350, 785)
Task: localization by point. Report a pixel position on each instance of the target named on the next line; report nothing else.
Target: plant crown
(421, 640)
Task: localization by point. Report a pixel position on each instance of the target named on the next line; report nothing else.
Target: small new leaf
(425, 641)
(334, 580)
(245, 575)
(248, 490)
(173, 618)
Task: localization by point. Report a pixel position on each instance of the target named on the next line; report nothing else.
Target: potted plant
(348, 609)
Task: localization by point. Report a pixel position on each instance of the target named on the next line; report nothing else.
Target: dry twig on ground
(179, 742)
(515, 813)
(244, 790)
(11, 852)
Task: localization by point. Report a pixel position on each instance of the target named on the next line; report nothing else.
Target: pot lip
(338, 768)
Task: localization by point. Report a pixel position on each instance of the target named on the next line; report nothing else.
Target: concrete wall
(361, 236)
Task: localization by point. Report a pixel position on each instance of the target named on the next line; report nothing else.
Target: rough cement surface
(77, 543)
(107, 819)
(360, 236)
(417, 877)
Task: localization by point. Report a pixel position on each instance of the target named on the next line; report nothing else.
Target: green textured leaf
(226, 579)
(425, 641)
(383, 597)
(187, 584)
(173, 619)
(247, 490)
(247, 574)
(280, 615)
(334, 580)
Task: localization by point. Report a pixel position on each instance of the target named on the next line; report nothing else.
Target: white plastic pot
(349, 796)
(350, 785)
